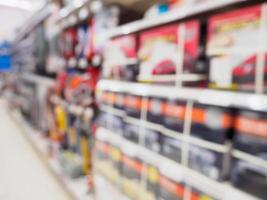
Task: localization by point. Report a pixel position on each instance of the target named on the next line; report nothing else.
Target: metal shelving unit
(221, 190)
(256, 102)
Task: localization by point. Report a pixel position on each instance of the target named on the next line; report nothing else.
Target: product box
(119, 101)
(153, 140)
(234, 40)
(107, 98)
(198, 194)
(155, 110)
(103, 120)
(150, 190)
(172, 148)
(131, 173)
(211, 123)
(160, 48)
(120, 58)
(116, 15)
(171, 183)
(133, 105)
(174, 115)
(211, 163)
(131, 132)
(250, 138)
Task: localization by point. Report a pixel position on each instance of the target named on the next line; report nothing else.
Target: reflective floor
(23, 176)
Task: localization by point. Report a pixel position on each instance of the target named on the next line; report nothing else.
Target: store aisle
(22, 174)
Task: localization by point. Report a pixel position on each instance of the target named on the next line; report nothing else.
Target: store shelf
(251, 101)
(169, 17)
(76, 188)
(220, 190)
(42, 80)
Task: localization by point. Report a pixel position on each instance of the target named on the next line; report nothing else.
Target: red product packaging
(119, 54)
(162, 49)
(237, 47)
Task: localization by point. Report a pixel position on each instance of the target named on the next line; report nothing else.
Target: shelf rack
(222, 190)
(172, 16)
(257, 102)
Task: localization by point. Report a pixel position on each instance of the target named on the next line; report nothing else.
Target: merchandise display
(155, 100)
(235, 39)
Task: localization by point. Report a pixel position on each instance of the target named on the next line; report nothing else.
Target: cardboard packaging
(172, 148)
(210, 163)
(153, 140)
(251, 139)
(236, 46)
(211, 123)
(131, 173)
(132, 133)
(120, 58)
(119, 101)
(174, 115)
(133, 105)
(155, 110)
(161, 49)
(171, 183)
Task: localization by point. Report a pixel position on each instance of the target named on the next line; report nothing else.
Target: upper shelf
(172, 16)
(206, 96)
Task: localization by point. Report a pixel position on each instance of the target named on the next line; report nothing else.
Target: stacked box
(133, 105)
(250, 139)
(159, 50)
(234, 41)
(174, 115)
(120, 58)
(132, 169)
(172, 148)
(155, 110)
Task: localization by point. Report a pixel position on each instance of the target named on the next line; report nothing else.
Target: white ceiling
(14, 13)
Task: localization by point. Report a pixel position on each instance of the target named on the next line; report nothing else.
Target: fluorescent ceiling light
(19, 4)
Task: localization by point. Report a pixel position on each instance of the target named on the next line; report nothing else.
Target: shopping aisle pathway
(23, 176)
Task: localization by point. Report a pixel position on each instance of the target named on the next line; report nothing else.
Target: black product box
(155, 110)
(249, 178)
(133, 106)
(153, 140)
(131, 175)
(211, 123)
(119, 101)
(172, 148)
(174, 114)
(131, 132)
(208, 162)
(169, 188)
(250, 138)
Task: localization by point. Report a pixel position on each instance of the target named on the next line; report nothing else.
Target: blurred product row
(164, 144)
